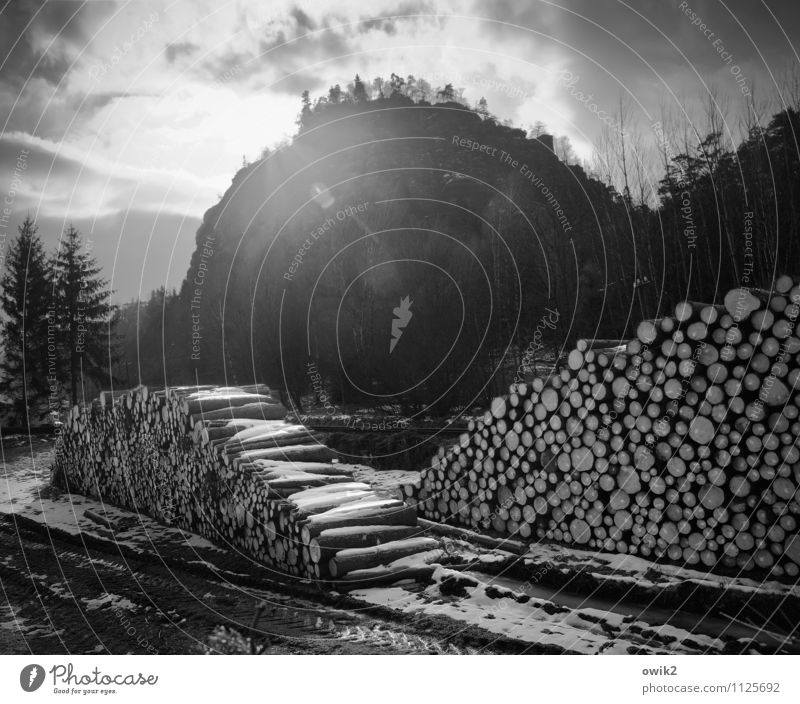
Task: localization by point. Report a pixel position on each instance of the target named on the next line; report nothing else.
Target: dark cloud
(307, 41)
(625, 37)
(27, 26)
(387, 25)
(406, 13)
(293, 56)
(39, 43)
(302, 20)
(319, 43)
(653, 52)
(179, 49)
(279, 60)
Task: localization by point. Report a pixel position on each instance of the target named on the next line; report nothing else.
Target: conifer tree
(27, 369)
(359, 90)
(86, 342)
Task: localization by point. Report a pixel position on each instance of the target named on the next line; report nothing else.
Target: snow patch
(113, 600)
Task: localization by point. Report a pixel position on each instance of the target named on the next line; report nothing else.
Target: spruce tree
(28, 369)
(83, 313)
(359, 90)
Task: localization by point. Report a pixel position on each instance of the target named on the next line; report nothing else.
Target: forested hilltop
(484, 247)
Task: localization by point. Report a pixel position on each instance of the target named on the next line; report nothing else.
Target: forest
(407, 250)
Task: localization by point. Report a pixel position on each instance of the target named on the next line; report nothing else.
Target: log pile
(223, 462)
(679, 445)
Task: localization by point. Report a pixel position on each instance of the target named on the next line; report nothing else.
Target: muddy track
(60, 598)
(177, 597)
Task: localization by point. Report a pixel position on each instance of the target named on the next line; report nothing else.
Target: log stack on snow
(681, 444)
(222, 462)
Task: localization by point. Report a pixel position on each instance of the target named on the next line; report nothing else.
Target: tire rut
(73, 601)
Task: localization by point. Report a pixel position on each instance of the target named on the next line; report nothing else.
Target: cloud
(652, 54)
(302, 20)
(111, 203)
(177, 49)
(289, 50)
(43, 38)
(141, 239)
(280, 52)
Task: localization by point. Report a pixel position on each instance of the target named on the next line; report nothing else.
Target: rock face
(312, 248)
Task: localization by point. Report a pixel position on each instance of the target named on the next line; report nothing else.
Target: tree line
(57, 325)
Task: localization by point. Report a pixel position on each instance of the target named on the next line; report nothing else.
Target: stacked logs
(679, 445)
(223, 462)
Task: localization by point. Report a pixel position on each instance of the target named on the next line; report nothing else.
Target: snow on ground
(115, 601)
(386, 479)
(60, 589)
(504, 606)
(8, 618)
(25, 491)
(536, 621)
(14, 625)
(644, 573)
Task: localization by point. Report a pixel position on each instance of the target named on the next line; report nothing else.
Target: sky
(129, 119)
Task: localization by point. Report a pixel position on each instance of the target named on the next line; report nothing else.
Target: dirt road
(63, 593)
